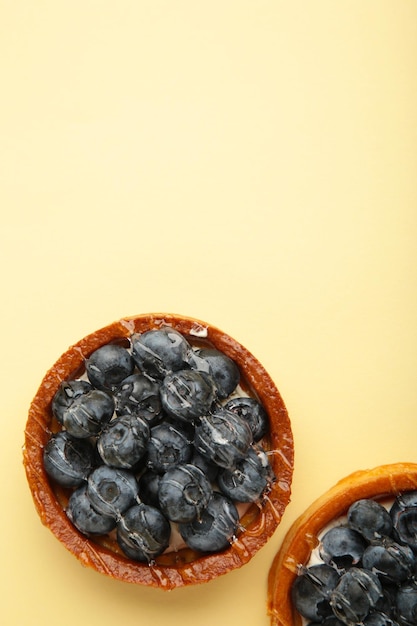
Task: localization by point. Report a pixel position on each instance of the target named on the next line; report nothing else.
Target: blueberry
(328, 621)
(143, 532)
(138, 395)
(391, 561)
(404, 517)
(149, 487)
(167, 447)
(108, 366)
(123, 442)
(67, 392)
(111, 491)
(378, 618)
(253, 412)
(249, 479)
(84, 517)
(184, 493)
(88, 413)
(342, 547)
(210, 469)
(221, 368)
(187, 394)
(223, 437)
(356, 594)
(311, 591)
(68, 460)
(370, 519)
(215, 528)
(159, 352)
(407, 604)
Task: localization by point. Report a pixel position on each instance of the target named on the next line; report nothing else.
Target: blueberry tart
(159, 451)
(351, 557)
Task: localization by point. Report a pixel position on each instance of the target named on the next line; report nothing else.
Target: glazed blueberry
(356, 595)
(68, 460)
(370, 519)
(404, 518)
(159, 352)
(108, 366)
(187, 394)
(221, 368)
(168, 446)
(123, 442)
(406, 601)
(111, 491)
(184, 493)
(392, 561)
(88, 413)
(149, 487)
(249, 479)
(139, 396)
(68, 391)
(311, 591)
(84, 517)
(215, 528)
(209, 469)
(253, 412)
(223, 437)
(342, 547)
(143, 532)
(379, 619)
(328, 621)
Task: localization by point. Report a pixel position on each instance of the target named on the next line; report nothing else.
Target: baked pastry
(382, 485)
(51, 420)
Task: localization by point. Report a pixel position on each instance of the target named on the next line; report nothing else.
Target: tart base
(184, 567)
(379, 482)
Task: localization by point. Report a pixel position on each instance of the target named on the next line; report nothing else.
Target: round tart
(381, 483)
(181, 565)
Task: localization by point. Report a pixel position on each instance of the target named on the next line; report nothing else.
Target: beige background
(252, 164)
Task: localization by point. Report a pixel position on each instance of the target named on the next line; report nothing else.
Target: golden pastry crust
(379, 482)
(184, 567)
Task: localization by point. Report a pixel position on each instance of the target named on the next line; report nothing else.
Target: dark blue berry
(370, 519)
(149, 487)
(222, 369)
(159, 352)
(68, 460)
(108, 366)
(342, 547)
(215, 528)
(404, 518)
(377, 618)
(391, 561)
(187, 394)
(67, 392)
(143, 532)
(184, 493)
(223, 437)
(249, 479)
(88, 413)
(84, 516)
(328, 621)
(168, 446)
(406, 602)
(253, 412)
(356, 595)
(138, 395)
(123, 442)
(312, 589)
(111, 491)
(210, 469)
